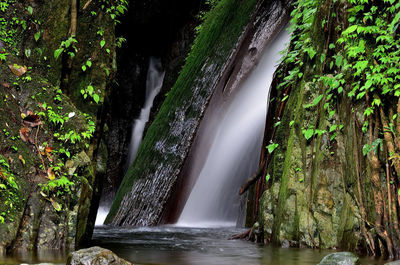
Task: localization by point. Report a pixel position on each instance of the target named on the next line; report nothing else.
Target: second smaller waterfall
(154, 82)
(155, 78)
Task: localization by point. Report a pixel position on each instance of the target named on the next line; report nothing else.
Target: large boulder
(95, 256)
(340, 258)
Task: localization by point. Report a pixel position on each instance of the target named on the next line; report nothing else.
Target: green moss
(284, 179)
(217, 38)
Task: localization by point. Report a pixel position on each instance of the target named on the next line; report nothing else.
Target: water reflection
(195, 246)
(184, 246)
(26, 257)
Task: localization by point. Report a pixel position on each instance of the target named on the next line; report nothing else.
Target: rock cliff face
(233, 30)
(51, 120)
(311, 198)
(327, 185)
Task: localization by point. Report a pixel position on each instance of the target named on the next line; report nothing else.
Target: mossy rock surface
(42, 127)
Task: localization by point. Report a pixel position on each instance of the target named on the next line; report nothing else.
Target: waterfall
(155, 78)
(154, 81)
(234, 153)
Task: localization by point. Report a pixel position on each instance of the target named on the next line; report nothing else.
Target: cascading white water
(234, 152)
(154, 81)
(155, 78)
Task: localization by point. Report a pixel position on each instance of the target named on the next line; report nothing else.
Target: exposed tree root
(367, 235)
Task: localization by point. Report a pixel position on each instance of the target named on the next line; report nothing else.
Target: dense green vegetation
(53, 78)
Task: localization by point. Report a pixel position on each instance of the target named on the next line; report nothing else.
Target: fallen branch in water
(248, 235)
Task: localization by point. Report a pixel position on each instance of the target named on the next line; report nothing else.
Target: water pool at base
(195, 246)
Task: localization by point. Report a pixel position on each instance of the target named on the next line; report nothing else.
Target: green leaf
(333, 128)
(349, 30)
(96, 98)
(366, 149)
(58, 52)
(84, 68)
(120, 9)
(267, 177)
(368, 84)
(37, 36)
(90, 89)
(271, 147)
(333, 137)
(308, 133)
(320, 132)
(28, 53)
(361, 65)
(315, 102)
(102, 43)
(339, 60)
(311, 52)
(89, 63)
(30, 10)
(322, 57)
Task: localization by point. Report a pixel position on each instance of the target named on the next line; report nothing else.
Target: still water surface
(195, 246)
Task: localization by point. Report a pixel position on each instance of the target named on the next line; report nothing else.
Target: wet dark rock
(95, 256)
(340, 258)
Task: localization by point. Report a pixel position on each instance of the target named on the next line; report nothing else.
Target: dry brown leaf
(49, 149)
(32, 120)
(4, 84)
(24, 134)
(50, 173)
(3, 175)
(18, 70)
(22, 159)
